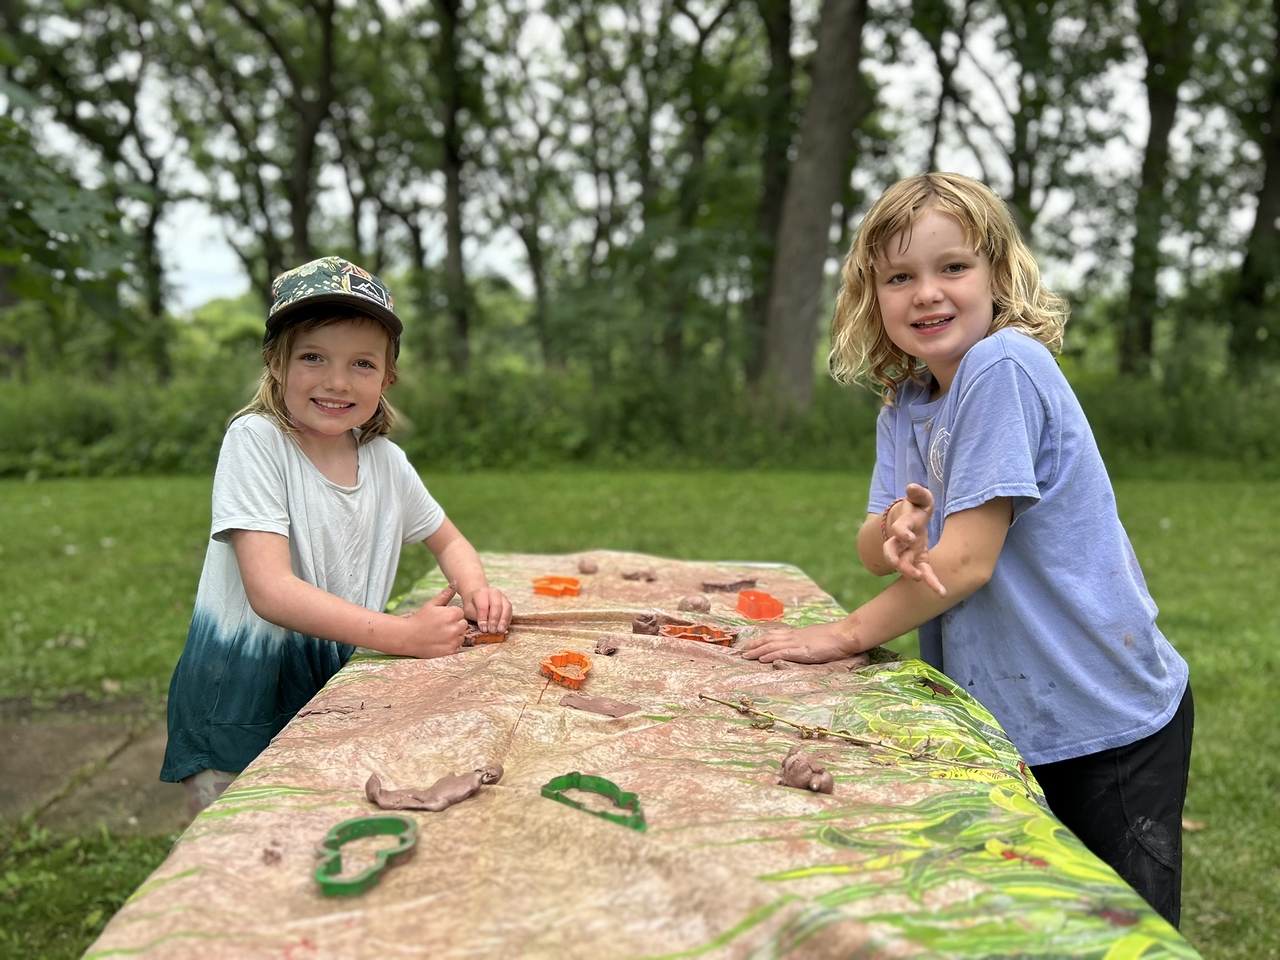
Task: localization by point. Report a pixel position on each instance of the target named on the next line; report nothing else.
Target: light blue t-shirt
(240, 679)
(1061, 645)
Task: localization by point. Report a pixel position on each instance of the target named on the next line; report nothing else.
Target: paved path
(78, 772)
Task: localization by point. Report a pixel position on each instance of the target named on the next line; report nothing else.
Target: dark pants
(1125, 805)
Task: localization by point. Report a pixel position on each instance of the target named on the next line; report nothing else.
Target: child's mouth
(332, 405)
(931, 324)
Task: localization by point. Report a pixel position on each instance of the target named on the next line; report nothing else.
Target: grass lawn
(98, 578)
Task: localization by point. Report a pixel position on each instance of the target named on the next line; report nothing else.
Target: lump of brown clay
(802, 773)
(607, 646)
(646, 623)
(587, 565)
(605, 705)
(648, 575)
(732, 587)
(444, 793)
(694, 604)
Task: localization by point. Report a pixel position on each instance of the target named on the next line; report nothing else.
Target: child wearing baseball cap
(311, 505)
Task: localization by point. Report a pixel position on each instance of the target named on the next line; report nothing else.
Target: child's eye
(955, 268)
(366, 364)
(897, 278)
(309, 357)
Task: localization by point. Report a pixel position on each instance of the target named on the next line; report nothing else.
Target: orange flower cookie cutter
(557, 586)
(567, 668)
(757, 605)
(698, 632)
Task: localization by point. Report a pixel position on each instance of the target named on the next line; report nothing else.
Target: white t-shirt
(240, 679)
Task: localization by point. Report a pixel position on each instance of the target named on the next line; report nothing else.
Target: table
(935, 841)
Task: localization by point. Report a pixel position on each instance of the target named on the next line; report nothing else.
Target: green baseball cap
(329, 281)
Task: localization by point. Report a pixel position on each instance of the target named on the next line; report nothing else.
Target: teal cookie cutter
(634, 818)
(331, 851)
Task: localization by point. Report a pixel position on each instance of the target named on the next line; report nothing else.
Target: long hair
(861, 349)
(269, 400)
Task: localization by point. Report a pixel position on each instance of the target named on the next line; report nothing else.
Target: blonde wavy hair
(861, 350)
(269, 400)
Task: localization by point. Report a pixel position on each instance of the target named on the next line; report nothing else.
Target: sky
(201, 264)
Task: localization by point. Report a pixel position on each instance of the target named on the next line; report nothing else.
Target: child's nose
(927, 290)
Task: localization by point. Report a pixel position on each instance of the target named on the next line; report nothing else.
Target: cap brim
(293, 313)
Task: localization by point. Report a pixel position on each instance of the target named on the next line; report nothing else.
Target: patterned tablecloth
(935, 841)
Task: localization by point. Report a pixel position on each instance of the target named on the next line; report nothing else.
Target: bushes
(66, 426)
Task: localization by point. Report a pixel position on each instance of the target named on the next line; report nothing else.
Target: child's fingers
(931, 578)
(442, 598)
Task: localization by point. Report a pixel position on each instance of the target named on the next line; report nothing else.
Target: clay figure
(799, 771)
(694, 604)
(646, 623)
(445, 792)
(587, 565)
(648, 575)
(607, 646)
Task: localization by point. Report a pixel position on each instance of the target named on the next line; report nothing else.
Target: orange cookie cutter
(757, 605)
(698, 632)
(557, 586)
(567, 668)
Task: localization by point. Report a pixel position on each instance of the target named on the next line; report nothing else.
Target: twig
(808, 732)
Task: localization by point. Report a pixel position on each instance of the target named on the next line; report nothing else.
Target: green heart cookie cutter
(554, 790)
(355, 829)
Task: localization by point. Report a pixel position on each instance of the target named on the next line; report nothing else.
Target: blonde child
(311, 504)
(990, 500)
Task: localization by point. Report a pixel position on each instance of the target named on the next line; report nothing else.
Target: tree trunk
(455, 278)
(1167, 46)
(1262, 251)
(778, 130)
(836, 103)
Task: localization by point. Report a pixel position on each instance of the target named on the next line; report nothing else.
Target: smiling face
(333, 377)
(934, 294)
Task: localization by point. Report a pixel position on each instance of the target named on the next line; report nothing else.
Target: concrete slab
(125, 795)
(39, 759)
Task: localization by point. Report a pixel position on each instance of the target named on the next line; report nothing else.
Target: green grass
(57, 893)
(108, 617)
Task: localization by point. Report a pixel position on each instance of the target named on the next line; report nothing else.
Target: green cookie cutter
(355, 829)
(554, 790)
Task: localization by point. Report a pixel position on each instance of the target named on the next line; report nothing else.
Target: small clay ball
(694, 604)
(587, 565)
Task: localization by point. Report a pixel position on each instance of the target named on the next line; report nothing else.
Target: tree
(1166, 29)
(816, 182)
(87, 68)
(1251, 322)
(58, 242)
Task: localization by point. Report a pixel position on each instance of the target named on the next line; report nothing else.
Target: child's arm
(963, 560)
(487, 606)
(280, 597)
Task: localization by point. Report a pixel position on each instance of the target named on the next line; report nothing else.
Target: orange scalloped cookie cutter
(557, 586)
(757, 605)
(567, 668)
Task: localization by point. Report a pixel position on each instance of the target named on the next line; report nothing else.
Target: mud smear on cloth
(603, 705)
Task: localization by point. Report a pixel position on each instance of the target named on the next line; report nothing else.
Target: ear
(277, 369)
